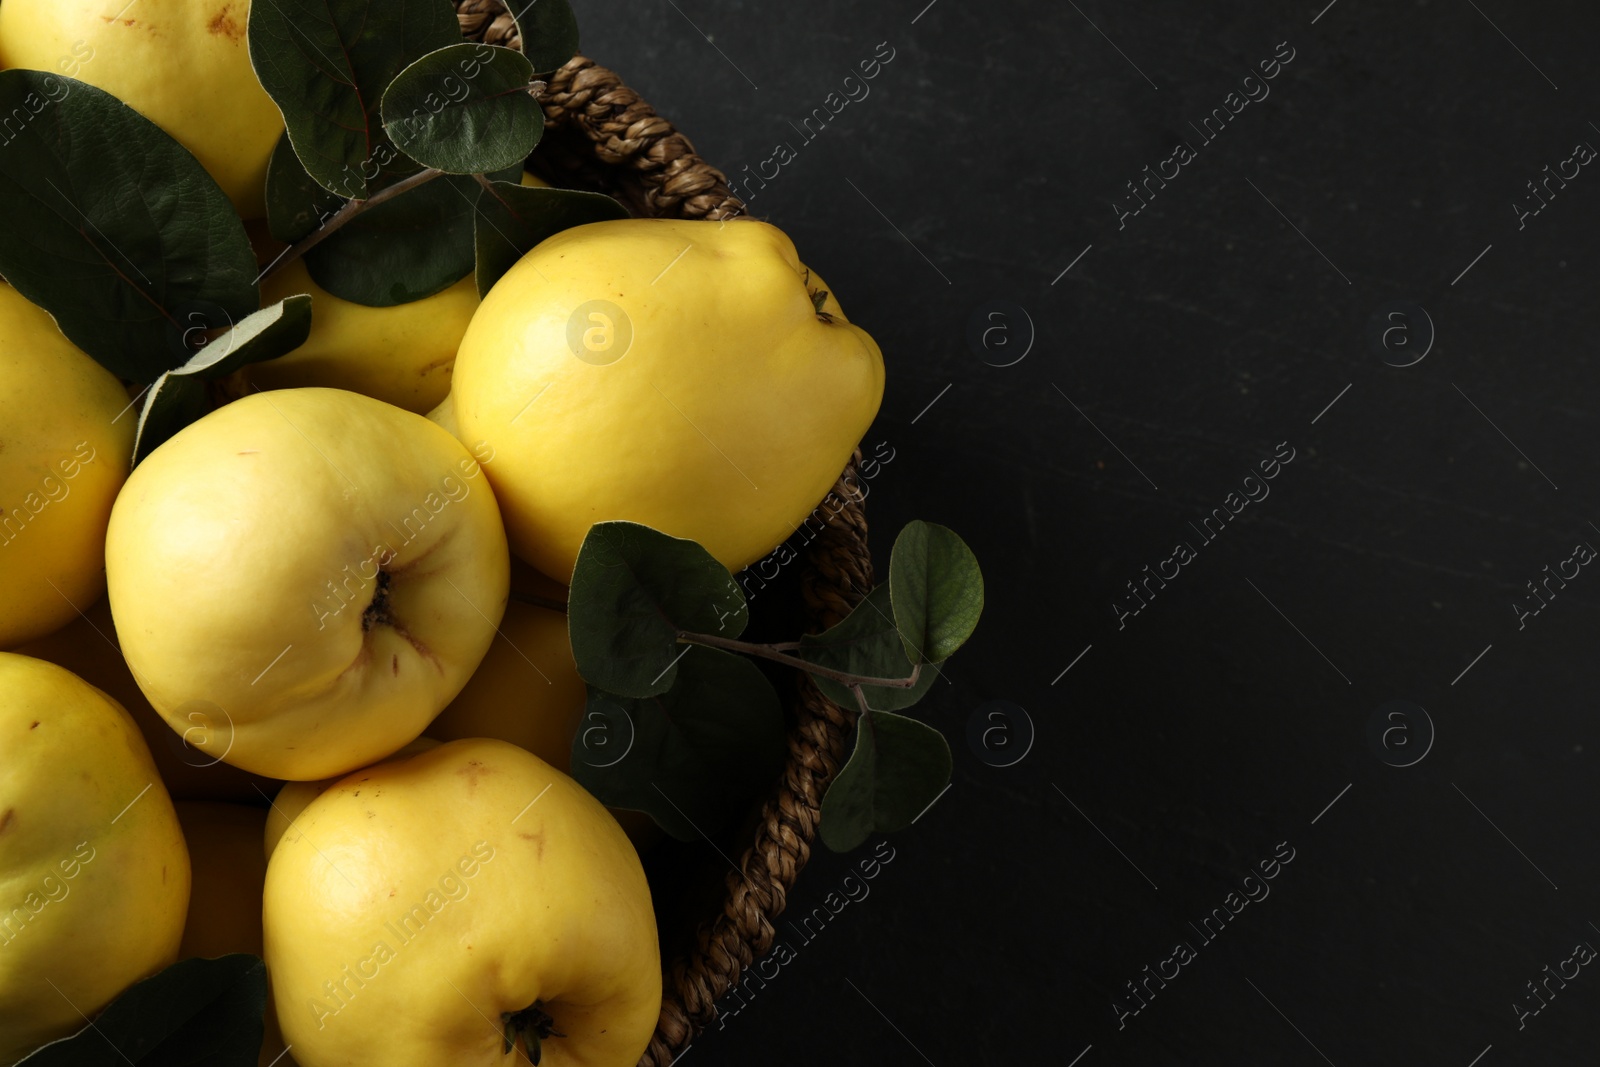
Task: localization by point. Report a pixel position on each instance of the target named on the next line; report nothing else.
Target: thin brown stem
(772, 653)
(539, 601)
(344, 215)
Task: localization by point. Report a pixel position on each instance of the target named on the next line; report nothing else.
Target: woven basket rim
(602, 134)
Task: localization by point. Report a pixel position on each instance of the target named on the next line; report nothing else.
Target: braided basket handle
(599, 134)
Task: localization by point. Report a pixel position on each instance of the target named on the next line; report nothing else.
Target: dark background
(1184, 747)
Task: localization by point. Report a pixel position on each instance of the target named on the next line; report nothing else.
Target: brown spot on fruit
(225, 25)
(397, 665)
(35, 726)
(5, 820)
(537, 839)
(472, 771)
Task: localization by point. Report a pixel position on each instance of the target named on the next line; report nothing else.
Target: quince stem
(350, 210)
(540, 601)
(774, 653)
(531, 1026)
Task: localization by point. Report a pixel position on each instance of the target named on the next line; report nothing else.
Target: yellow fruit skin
(296, 797)
(64, 453)
(445, 415)
(244, 562)
(87, 647)
(729, 416)
(476, 866)
(402, 355)
(94, 876)
(182, 64)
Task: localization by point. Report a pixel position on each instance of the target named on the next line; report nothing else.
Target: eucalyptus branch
(540, 601)
(350, 210)
(772, 652)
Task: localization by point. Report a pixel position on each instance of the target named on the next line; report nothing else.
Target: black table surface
(1350, 720)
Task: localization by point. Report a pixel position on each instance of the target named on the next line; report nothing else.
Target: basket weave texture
(599, 134)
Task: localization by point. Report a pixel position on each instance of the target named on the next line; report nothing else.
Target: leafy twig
(771, 652)
(344, 215)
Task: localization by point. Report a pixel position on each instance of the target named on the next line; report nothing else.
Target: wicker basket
(600, 135)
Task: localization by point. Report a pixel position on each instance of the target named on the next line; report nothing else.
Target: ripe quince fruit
(66, 440)
(402, 355)
(691, 376)
(182, 64)
(435, 909)
(94, 875)
(304, 578)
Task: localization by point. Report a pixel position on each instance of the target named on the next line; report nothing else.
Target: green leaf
(633, 590)
(898, 768)
(512, 218)
(113, 227)
(549, 32)
(867, 644)
(267, 334)
(296, 204)
(936, 589)
(178, 397)
(173, 402)
(695, 757)
(462, 112)
(402, 250)
(326, 63)
(196, 1012)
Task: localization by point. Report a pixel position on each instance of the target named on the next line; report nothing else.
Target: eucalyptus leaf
(444, 117)
(512, 218)
(267, 334)
(326, 64)
(549, 32)
(195, 1012)
(936, 589)
(633, 590)
(866, 643)
(694, 757)
(898, 768)
(296, 203)
(171, 403)
(113, 227)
